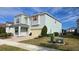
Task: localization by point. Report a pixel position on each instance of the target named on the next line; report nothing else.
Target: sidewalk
(26, 46)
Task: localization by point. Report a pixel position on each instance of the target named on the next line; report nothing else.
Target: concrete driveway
(29, 47)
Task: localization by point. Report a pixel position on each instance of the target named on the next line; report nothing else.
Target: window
(17, 20)
(16, 29)
(35, 18)
(23, 29)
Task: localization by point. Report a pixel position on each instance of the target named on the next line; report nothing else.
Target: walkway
(25, 46)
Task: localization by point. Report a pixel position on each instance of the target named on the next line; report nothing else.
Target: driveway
(25, 46)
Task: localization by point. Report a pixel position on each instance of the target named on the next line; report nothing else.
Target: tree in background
(2, 30)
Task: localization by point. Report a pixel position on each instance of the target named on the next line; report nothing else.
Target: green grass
(71, 44)
(10, 48)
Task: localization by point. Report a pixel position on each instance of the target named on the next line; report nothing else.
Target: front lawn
(71, 44)
(10, 48)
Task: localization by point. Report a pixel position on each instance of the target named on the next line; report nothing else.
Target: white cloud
(70, 18)
(37, 9)
(56, 9)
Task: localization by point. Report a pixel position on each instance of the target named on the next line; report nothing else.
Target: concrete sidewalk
(26, 46)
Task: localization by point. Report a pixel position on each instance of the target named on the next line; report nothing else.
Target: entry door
(16, 30)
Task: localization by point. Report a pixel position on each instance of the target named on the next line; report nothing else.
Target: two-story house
(25, 25)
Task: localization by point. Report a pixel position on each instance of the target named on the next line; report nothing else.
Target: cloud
(55, 9)
(37, 9)
(70, 18)
(9, 11)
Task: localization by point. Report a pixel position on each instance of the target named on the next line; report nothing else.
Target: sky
(66, 15)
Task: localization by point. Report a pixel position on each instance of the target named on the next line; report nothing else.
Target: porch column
(14, 32)
(38, 19)
(19, 31)
(28, 21)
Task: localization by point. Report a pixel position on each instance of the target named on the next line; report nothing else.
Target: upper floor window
(35, 18)
(17, 20)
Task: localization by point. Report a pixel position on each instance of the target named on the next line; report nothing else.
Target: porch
(21, 30)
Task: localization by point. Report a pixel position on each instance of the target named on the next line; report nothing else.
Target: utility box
(59, 40)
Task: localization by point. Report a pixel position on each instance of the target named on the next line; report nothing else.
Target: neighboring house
(71, 30)
(9, 27)
(2, 25)
(77, 26)
(25, 25)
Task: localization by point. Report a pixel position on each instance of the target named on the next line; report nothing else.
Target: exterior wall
(7, 30)
(52, 25)
(23, 32)
(33, 23)
(35, 33)
(15, 19)
(58, 27)
(10, 30)
(22, 19)
(42, 20)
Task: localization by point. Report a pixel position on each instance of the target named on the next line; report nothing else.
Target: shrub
(56, 33)
(52, 37)
(2, 30)
(44, 31)
(9, 34)
(5, 35)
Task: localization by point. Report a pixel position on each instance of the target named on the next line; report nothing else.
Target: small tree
(52, 37)
(44, 31)
(56, 33)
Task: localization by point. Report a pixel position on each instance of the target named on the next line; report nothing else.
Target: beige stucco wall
(35, 33)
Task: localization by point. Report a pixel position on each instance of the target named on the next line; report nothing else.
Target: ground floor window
(16, 30)
(24, 29)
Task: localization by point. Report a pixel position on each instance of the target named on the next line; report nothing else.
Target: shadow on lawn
(49, 45)
(59, 47)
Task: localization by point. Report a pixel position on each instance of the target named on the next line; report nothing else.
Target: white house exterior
(32, 25)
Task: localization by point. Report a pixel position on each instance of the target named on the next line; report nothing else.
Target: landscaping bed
(71, 44)
(10, 48)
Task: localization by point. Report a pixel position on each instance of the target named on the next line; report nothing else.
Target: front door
(16, 31)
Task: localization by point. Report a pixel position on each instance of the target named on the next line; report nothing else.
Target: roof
(10, 22)
(40, 14)
(21, 14)
(47, 14)
(23, 25)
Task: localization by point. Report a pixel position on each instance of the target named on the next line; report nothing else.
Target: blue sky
(67, 15)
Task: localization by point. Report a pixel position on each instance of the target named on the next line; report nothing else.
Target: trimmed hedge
(52, 37)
